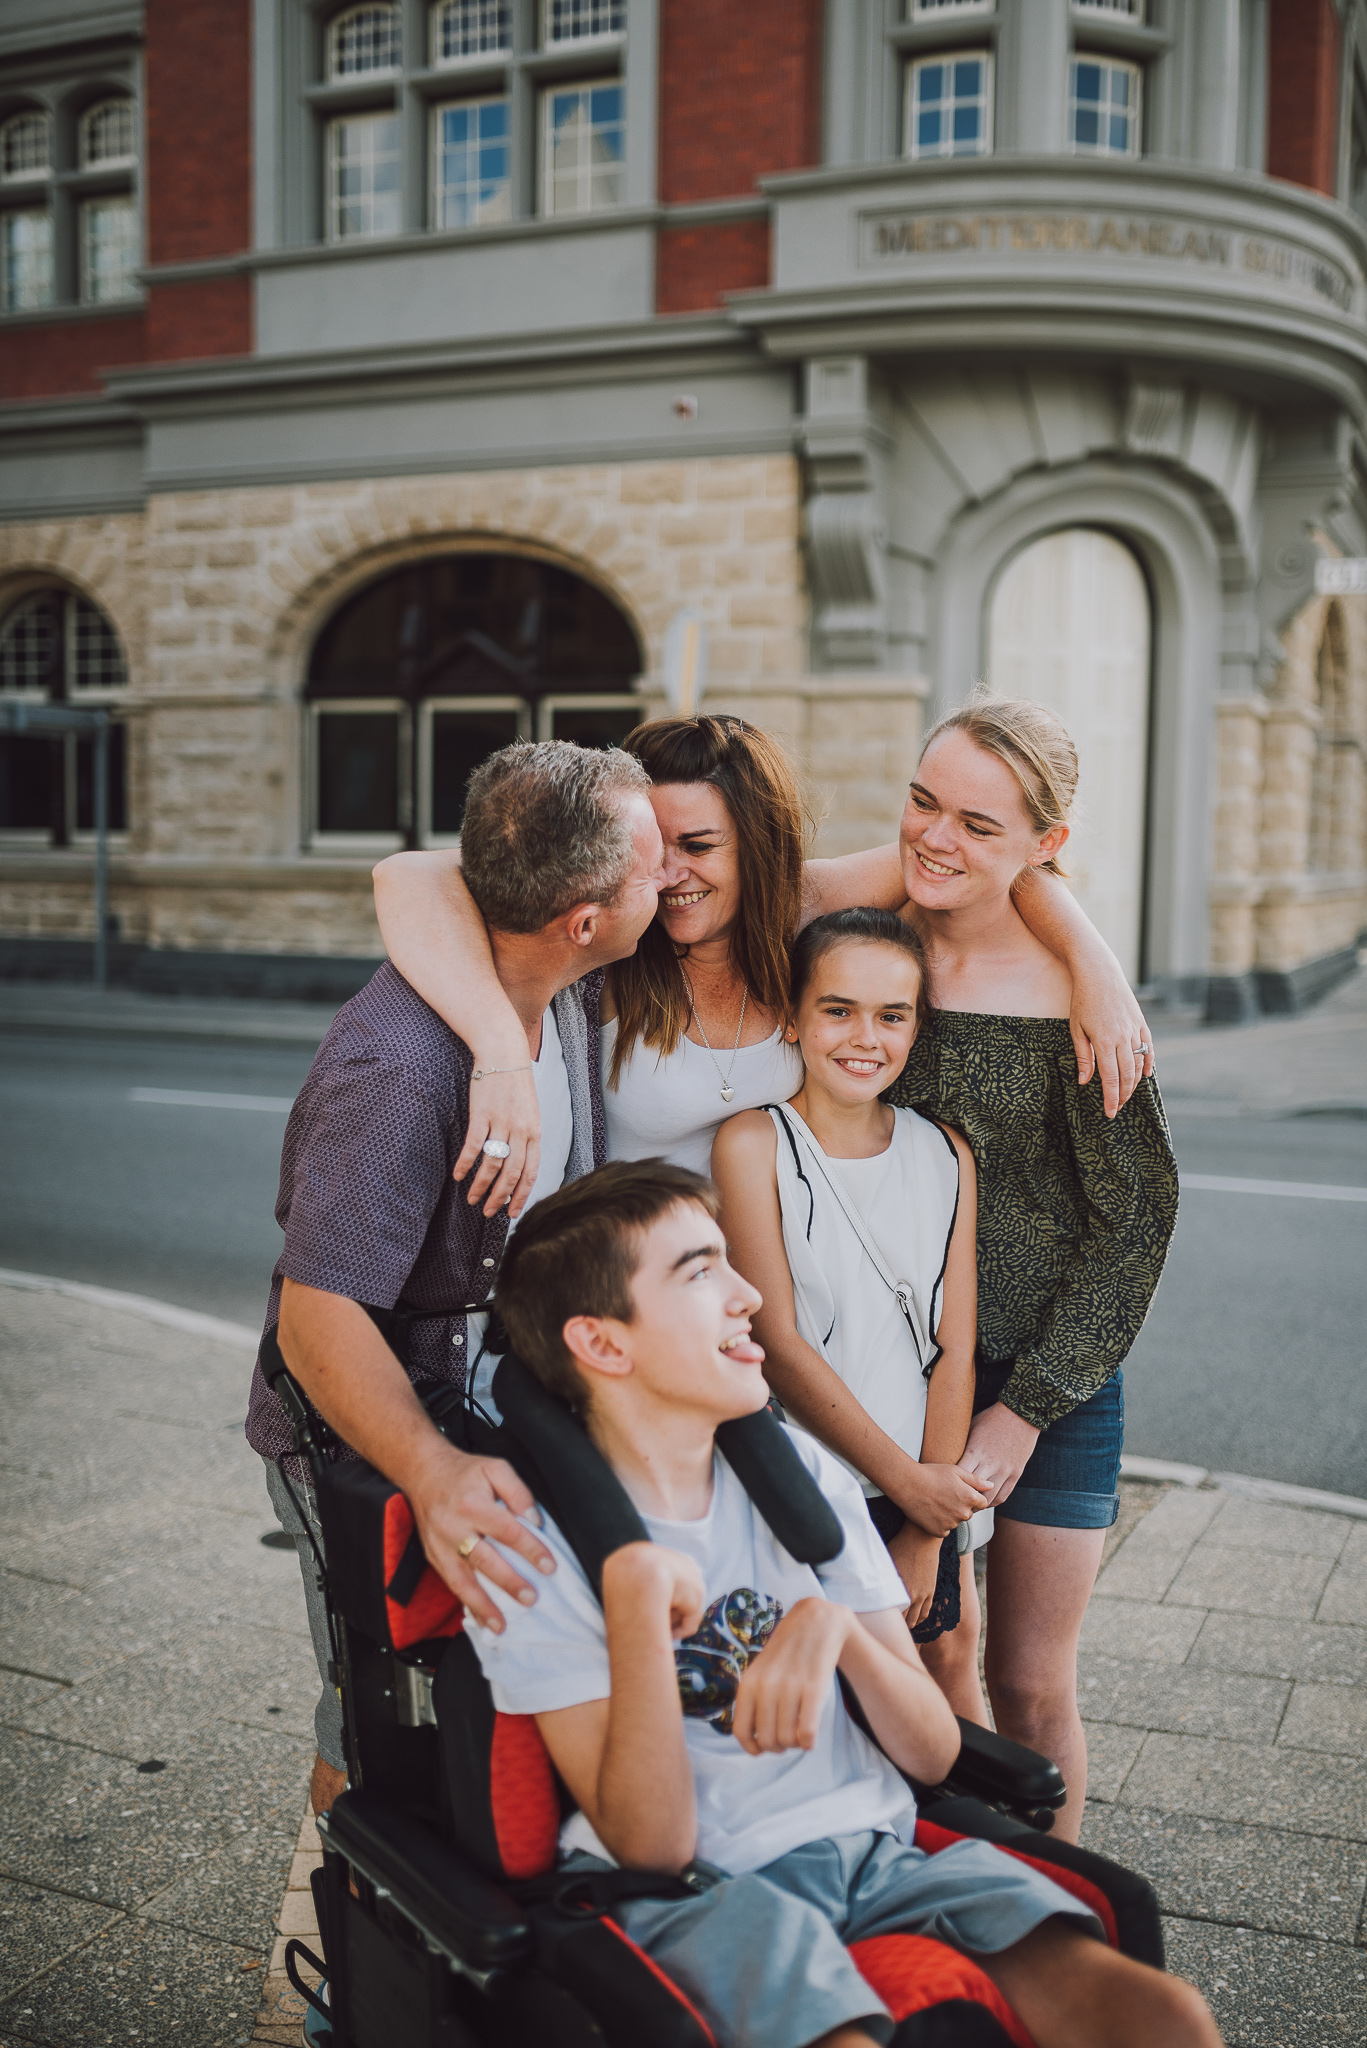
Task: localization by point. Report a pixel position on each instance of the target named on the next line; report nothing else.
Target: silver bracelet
(482, 1073)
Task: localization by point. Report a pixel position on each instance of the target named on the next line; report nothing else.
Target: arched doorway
(431, 668)
(1070, 627)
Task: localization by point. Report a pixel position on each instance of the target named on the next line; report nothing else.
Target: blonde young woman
(692, 1023)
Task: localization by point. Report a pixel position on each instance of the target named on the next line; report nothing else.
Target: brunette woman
(693, 1019)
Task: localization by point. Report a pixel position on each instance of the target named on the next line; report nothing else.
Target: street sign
(1341, 578)
(685, 663)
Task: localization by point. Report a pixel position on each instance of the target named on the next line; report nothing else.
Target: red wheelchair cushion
(932, 1839)
(911, 1973)
(433, 1609)
(523, 1802)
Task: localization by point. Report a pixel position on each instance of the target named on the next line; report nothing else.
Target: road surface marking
(1309, 1190)
(195, 1098)
(176, 1318)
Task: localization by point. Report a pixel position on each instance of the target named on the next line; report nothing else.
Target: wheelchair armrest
(469, 1920)
(991, 1768)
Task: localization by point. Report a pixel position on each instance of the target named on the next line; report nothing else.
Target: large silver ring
(1138, 1050)
(495, 1148)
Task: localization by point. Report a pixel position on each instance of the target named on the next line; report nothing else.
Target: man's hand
(917, 1558)
(785, 1689)
(458, 1497)
(939, 1497)
(1107, 1027)
(647, 1584)
(998, 1451)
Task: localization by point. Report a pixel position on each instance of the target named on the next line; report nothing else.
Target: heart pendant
(727, 1093)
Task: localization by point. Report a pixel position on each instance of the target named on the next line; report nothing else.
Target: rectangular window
(936, 10)
(573, 21)
(454, 735)
(583, 165)
(949, 105)
(360, 769)
(1103, 107)
(363, 177)
(25, 261)
(471, 165)
(466, 29)
(590, 721)
(109, 251)
(118, 781)
(1133, 10)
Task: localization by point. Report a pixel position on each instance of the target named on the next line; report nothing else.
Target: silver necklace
(727, 1091)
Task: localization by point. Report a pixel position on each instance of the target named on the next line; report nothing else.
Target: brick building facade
(378, 381)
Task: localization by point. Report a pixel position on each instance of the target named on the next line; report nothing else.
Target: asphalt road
(1254, 1358)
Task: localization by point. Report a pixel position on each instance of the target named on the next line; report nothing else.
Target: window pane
(365, 40)
(110, 251)
(363, 198)
(949, 106)
(590, 728)
(107, 134)
(29, 781)
(1103, 107)
(472, 164)
(31, 646)
(358, 771)
(568, 21)
(99, 658)
(470, 28)
(26, 261)
(460, 741)
(25, 151)
(118, 781)
(585, 146)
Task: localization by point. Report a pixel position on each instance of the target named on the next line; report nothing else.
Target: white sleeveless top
(672, 1108)
(906, 1199)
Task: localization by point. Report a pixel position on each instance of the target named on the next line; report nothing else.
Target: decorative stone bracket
(845, 443)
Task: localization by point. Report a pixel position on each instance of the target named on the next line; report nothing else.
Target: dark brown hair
(868, 927)
(763, 796)
(576, 1254)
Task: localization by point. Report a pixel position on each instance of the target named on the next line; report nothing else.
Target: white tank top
(672, 1108)
(906, 1199)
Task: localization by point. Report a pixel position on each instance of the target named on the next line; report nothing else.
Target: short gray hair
(544, 829)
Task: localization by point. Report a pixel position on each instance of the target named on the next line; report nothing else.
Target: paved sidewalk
(1314, 1064)
(1224, 1683)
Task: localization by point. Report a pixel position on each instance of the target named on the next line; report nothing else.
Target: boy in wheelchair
(698, 1715)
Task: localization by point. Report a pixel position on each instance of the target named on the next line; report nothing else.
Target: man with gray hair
(384, 1251)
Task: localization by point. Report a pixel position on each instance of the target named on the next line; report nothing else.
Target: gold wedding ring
(467, 1544)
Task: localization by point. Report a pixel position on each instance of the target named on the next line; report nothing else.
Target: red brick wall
(694, 266)
(739, 98)
(209, 316)
(1304, 54)
(198, 128)
(44, 361)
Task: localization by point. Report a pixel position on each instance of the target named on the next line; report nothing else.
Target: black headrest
(545, 1443)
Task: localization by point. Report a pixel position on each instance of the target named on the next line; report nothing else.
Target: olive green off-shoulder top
(1075, 1212)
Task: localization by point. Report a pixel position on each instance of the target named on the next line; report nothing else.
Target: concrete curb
(1275, 1490)
(187, 1319)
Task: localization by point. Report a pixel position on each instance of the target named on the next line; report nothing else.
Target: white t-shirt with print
(751, 1809)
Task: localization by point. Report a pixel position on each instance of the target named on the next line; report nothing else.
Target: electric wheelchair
(443, 1920)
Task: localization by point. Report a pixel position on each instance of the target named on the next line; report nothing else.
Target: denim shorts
(1073, 1476)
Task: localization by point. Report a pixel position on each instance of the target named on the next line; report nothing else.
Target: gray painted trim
(43, 316)
(73, 508)
(121, 23)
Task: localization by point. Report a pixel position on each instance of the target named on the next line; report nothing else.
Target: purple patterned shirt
(367, 1202)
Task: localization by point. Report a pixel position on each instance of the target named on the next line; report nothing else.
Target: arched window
(364, 40)
(107, 134)
(57, 647)
(25, 147)
(433, 667)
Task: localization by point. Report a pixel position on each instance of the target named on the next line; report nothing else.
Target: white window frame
(90, 207)
(122, 100)
(583, 700)
(1128, 10)
(551, 94)
(1134, 111)
(485, 54)
(44, 170)
(335, 203)
(334, 74)
(910, 145)
(112, 695)
(585, 37)
(427, 711)
(13, 304)
(945, 10)
(438, 187)
(315, 837)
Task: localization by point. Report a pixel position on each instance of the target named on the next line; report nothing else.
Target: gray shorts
(763, 1957)
(327, 1715)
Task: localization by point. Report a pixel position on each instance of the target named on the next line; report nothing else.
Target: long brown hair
(763, 796)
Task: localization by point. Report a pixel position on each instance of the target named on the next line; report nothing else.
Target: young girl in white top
(857, 1223)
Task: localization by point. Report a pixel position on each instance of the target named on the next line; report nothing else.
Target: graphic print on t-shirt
(711, 1662)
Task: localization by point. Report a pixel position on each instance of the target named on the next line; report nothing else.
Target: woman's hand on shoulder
(503, 1106)
(1108, 1029)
